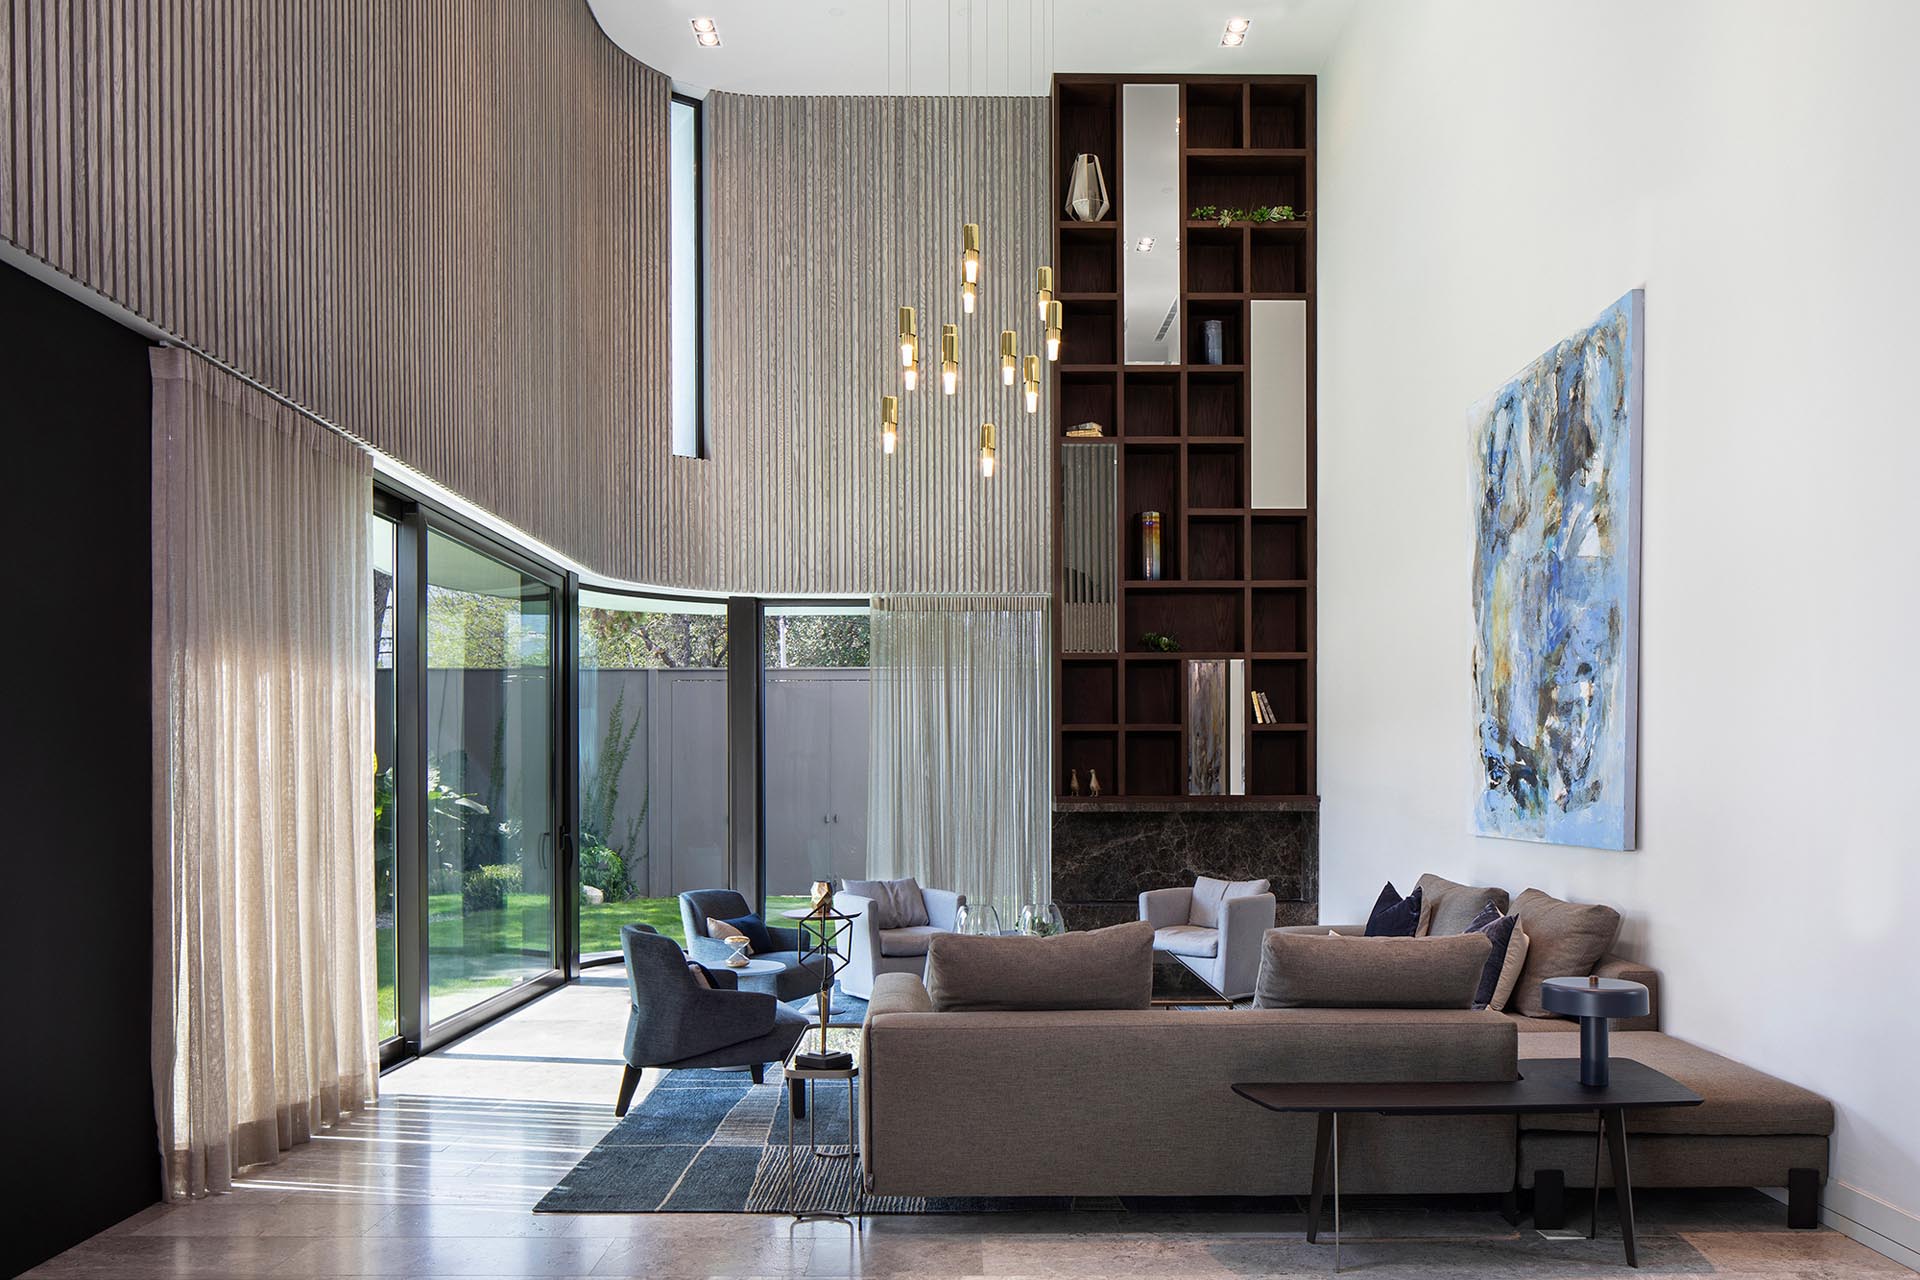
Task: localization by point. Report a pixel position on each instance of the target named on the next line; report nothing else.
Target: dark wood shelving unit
(1238, 582)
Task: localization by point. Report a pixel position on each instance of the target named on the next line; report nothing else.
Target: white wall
(1494, 175)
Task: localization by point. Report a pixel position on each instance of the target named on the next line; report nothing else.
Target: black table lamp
(1594, 1000)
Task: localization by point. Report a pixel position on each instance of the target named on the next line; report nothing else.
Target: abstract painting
(1556, 590)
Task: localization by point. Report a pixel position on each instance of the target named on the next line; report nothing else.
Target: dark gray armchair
(674, 1022)
(791, 983)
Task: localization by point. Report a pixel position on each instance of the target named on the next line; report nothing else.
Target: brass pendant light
(1032, 384)
(1043, 291)
(1009, 356)
(889, 423)
(949, 358)
(987, 450)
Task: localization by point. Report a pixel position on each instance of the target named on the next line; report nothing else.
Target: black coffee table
(1547, 1086)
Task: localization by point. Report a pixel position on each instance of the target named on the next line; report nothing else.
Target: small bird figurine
(1093, 782)
(1073, 783)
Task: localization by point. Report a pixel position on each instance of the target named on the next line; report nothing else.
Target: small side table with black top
(1548, 1086)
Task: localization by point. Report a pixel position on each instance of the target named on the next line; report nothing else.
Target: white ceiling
(963, 46)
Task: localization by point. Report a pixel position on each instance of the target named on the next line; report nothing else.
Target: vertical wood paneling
(825, 215)
(441, 228)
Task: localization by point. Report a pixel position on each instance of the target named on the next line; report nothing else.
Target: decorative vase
(1150, 546)
(1213, 342)
(1073, 782)
(1087, 190)
(1093, 782)
(1042, 920)
(977, 918)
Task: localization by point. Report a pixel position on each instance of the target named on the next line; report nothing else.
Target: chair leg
(759, 1072)
(797, 1099)
(629, 1081)
(1803, 1199)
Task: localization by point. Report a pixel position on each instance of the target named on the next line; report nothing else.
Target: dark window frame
(700, 443)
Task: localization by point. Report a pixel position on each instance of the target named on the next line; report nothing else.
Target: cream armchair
(897, 921)
(1216, 927)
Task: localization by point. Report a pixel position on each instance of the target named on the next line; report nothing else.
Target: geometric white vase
(1087, 190)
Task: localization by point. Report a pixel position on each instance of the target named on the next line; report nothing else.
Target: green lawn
(463, 948)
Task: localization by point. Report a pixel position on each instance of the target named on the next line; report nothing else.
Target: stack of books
(1262, 708)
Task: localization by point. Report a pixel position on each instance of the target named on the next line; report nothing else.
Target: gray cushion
(1299, 971)
(899, 904)
(1210, 897)
(1104, 969)
(1187, 940)
(912, 941)
(1511, 967)
(1564, 940)
(1446, 907)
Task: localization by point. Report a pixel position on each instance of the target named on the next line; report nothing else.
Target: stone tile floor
(439, 1177)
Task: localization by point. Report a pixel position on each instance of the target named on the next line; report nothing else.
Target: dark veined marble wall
(1106, 853)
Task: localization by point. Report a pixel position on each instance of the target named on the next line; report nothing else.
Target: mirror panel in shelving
(1151, 221)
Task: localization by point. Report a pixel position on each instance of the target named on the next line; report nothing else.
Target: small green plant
(1205, 212)
(1159, 642)
(1231, 214)
(486, 888)
(603, 868)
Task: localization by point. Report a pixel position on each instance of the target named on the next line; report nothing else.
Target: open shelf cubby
(1199, 620)
(1279, 547)
(1213, 257)
(1087, 259)
(1152, 399)
(1234, 582)
(1280, 261)
(1090, 751)
(1215, 116)
(1215, 473)
(1153, 763)
(1214, 404)
(1089, 691)
(1213, 549)
(1153, 690)
(1087, 397)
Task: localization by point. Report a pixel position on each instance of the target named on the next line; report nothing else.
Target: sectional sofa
(1110, 1101)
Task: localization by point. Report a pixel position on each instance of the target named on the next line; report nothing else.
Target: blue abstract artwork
(1556, 590)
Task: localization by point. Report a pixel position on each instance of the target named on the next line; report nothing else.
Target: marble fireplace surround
(1107, 852)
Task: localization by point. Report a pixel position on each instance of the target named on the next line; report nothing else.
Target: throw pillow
(751, 927)
(1564, 940)
(1447, 907)
(1306, 971)
(1516, 960)
(699, 974)
(1210, 898)
(1393, 916)
(1108, 968)
(1498, 930)
(899, 904)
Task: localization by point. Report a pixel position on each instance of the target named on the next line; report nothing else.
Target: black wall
(82, 1151)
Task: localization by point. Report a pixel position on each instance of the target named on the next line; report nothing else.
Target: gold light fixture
(909, 350)
(986, 450)
(1032, 381)
(889, 423)
(1043, 290)
(1053, 330)
(1009, 356)
(970, 253)
(969, 296)
(949, 358)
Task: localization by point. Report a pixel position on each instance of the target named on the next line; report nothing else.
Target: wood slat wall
(827, 214)
(440, 227)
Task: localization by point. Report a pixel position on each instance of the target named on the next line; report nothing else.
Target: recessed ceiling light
(1236, 32)
(705, 33)
(1239, 25)
(1145, 244)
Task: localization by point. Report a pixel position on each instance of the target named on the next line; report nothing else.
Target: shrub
(444, 878)
(486, 888)
(604, 869)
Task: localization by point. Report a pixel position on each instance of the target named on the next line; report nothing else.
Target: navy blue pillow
(754, 930)
(1394, 916)
(1499, 931)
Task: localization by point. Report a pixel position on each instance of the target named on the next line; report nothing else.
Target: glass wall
(815, 687)
(653, 761)
(490, 795)
(383, 551)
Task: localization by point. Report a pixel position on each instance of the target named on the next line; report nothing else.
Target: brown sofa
(1753, 1130)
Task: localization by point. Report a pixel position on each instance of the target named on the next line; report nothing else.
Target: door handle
(546, 839)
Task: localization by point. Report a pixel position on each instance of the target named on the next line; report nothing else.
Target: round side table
(1594, 1001)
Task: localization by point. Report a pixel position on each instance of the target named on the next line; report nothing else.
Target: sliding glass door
(383, 546)
(491, 780)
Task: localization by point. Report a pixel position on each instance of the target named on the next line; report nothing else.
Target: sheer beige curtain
(958, 793)
(263, 1002)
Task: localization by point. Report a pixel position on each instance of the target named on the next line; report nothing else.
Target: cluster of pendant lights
(1011, 366)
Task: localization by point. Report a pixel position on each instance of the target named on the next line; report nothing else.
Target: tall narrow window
(815, 779)
(689, 435)
(653, 761)
(382, 545)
